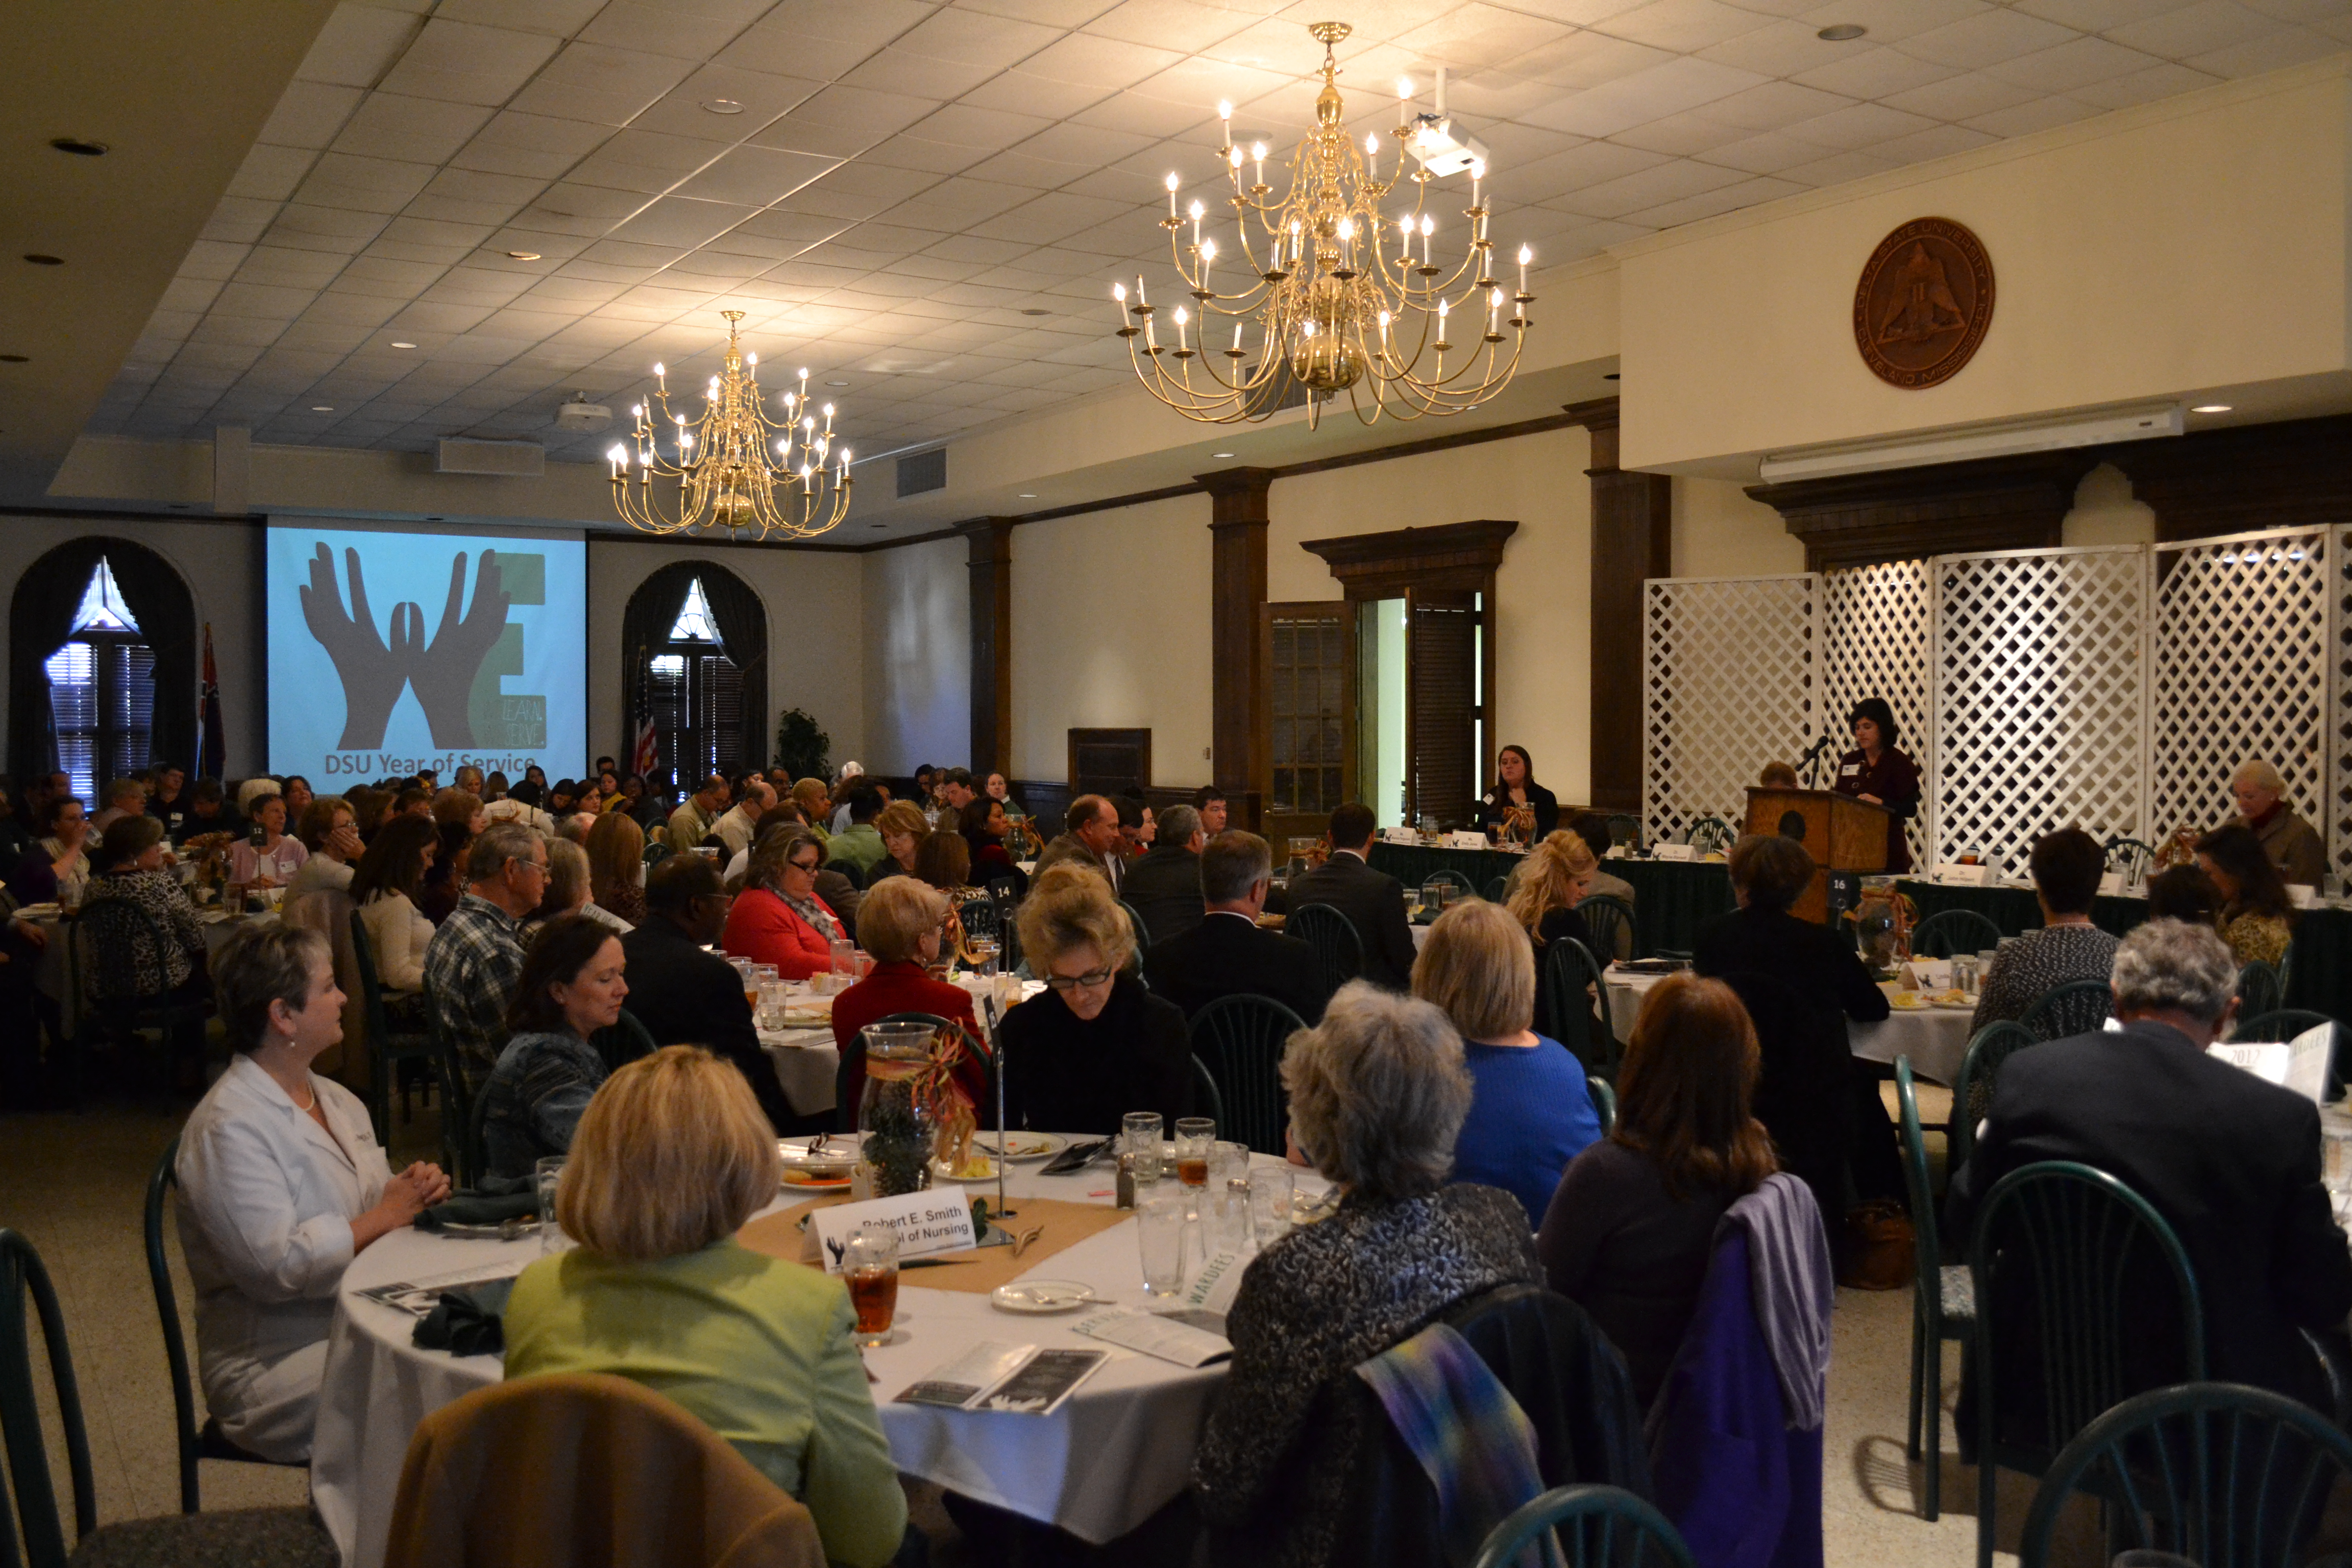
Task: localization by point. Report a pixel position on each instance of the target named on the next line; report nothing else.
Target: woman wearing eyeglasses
(1096, 1045)
(779, 918)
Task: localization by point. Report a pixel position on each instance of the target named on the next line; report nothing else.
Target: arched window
(101, 664)
(697, 638)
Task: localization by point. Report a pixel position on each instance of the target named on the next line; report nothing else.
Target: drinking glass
(844, 958)
(545, 1175)
(869, 1262)
(1194, 1137)
(981, 952)
(2336, 1143)
(774, 997)
(1159, 1236)
(1271, 1187)
(1139, 1136)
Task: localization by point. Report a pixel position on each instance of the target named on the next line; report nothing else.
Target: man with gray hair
(2292, 843)
(475, 960)
(1163, 885)
(2232, 1163)
(1229, 953)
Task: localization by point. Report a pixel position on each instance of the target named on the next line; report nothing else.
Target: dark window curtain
(742, 624)
(40, 617)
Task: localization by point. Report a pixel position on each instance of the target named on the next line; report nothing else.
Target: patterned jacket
(471, 968)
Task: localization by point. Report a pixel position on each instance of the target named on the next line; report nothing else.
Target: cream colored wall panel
(1719, 532)
(1110, 627)
(917, 657)
(2105, 511)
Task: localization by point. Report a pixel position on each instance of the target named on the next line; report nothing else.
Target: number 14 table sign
(938, 1220)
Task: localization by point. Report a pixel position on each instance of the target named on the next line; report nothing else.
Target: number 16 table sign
(927, 1222)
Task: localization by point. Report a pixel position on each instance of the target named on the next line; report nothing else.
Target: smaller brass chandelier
(734, 469)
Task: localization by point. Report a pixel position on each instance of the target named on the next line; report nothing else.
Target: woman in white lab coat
(281, 1182)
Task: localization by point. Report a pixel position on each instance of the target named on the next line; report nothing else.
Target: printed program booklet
(1166, 1336)
(2300, 1064)
(419, 1296)
(993, 1376)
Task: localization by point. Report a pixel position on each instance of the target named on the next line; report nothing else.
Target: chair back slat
(1241, 1038)
(1916, 1186)
(2259, 990)
(1949, 932)
(1980, 1071)
(22, 1275)
(1586, 1526)
(1568, 967)
(2077, 1007)
(1338, 947)
(164, 1177)
(1610, 918)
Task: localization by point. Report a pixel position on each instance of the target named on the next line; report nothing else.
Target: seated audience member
(130, 865)
(563, 798)
(1227, 953)
(474, 958)
(2230, 1162)
(57, 868)
(2257, 916)
(900, 922)
(778, 918)
(843, 776)
(494, 789)
(640, 803)
(998, 789)
(2289, 842)
(740, 824)
(445, 879)
(687, 997)
(1164, 885)
(469, 779)
(2066, 866)
(857, 841)
(331, 842)
(1768, 874)
(414, 801)
(1557, 876)
(385, 886)
(1373, 900)
(1593, 828)
(1377, 1092)
(2184, 893)
(519, 804)
(691, 823)
(370, 808)
(1629, 1232)
(1135, 827)
(1518, 800)
(1090, 838)
(459, 808)
(956, 793)
(272, 862)
(1778, 775)
(944, 862)
(1095, 1044)
(616, 866)
(209, 812)
(903, 829)
(816, 807)
(121, 797)
(272, 1210)
(1209, 802)
(298, 795)
(984, 827)
(670, 1160)
(568, 892)
(167, 802)
(1530, 1109)
(571, 986)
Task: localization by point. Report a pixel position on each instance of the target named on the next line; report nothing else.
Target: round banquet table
(806, 1059)
(52, 975)
(1118, 1451)
(1934, 1039)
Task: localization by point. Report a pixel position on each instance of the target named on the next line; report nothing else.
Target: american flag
(646, 751)
(212, 746)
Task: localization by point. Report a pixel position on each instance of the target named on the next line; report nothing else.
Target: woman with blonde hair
(903, 828)
(669, 1159)
(1530, 1109)
(1554, 880)
(1096, 1045)
(616, 866)
(1629, 1230)
(570, 891)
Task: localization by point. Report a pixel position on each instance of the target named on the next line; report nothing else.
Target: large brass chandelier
(732, 467)
(1336, 291)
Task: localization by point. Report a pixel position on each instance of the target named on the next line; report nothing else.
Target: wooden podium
(1840, 831)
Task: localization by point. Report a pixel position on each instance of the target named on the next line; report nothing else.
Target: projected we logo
(454, 675)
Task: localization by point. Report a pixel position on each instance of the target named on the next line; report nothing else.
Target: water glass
(1139, 1136)
(1159, 1220)
(869, 1263)
(544, 1176)
(2335, 1142)
(1195, 1136)
(844, 958)
(774, 998)
(981, 951)
(1271, 1188)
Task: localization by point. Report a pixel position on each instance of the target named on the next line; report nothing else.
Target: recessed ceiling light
(523, 255)
(323, 408)
(404, 345)
(722, 106)
(1028, 495)
(2210, 409)
(1221, 454)
(1610, 376)
(13, 359)
(38, 259)
(1034, 312)
(845, 384)
(877, 525)
(1842, 32)
(79, 146)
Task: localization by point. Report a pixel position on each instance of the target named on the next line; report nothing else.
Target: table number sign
(938, 1220)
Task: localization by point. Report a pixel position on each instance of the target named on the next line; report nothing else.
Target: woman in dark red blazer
(1875, 772)
(899, 924)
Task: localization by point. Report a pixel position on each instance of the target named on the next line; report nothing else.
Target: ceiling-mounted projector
(1432, 138)
(581, 415)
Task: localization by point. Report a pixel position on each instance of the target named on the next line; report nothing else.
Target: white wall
(2104, 512)
(1110, 627)
(815, 606)
(918, 657)
(1720, 531)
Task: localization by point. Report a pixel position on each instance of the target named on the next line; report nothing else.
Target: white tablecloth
(806, 1059)
(1113, 1454)
(1934, 1039)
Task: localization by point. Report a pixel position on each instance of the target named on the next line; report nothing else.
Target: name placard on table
(938, 1220)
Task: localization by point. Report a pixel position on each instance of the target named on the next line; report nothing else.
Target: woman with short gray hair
(281, 1183)
(1377, 1091)
(2173, 966)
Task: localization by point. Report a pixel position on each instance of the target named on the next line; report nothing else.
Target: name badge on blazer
(1850, 771)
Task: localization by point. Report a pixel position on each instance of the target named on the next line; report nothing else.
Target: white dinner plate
(1037, 1296)
(838, 1152)
(1023, 1147)
(984, 1168)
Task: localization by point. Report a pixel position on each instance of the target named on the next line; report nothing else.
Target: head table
(1933, 1037)
(1115, 1452)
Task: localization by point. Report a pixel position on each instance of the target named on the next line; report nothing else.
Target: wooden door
(1308, 654)
(1442, 652)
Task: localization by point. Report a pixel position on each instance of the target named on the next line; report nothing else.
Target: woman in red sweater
(900, 922)
(778, 918)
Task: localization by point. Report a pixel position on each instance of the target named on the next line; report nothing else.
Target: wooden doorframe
(1344, 611)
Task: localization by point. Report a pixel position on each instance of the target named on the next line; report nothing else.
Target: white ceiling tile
(210, 258)
(1478, 36)
(1773, 105)
(415, 130)
(1778, 48)
(862, 111)
(1935, 141)
(1108, 63)
(363, 184)
(2196, 29)
(679, 220)
(1678, 136)
(1876, 73)
(1580, 167)
(558, 18)
(1666, 182)
(570, 209)
(913, 153)
(301, 227)
(271, 173)
(1959, 97)
(896, 70)
(309, 113)
(645, 161)
(1139, 115)
(1859, 128)
(1017, 168)
(990, 130)
(763, 95)
(1986, 39)
(1686, 27)
(1709, 203)
(1178, 25)
(1584, 60)
(461, 63)
(2074, 65)
(2097, 16)
(1837, 169)
(755, 176)
(1891, 21)
(1680, 84)
(608, 86)
(2303, 10)
(190, 294)
(2287, 46)
(2028, 118)
(357, 45)
(2160, 81)
(661, 30)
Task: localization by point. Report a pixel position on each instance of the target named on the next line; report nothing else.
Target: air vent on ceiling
(923, 471)
(502, 459)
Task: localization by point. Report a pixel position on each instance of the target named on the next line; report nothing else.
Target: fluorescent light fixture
(2210, 409)
(2005, 438)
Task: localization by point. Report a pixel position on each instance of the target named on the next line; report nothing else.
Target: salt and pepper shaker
(1125, 1180)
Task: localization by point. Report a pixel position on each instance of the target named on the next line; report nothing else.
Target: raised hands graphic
(374, 670)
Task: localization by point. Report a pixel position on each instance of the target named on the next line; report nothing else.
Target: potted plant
(801, 746)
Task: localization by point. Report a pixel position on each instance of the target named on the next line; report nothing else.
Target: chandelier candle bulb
(1171, 197)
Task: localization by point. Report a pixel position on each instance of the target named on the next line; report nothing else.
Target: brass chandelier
(1345, 296)
(733, 467)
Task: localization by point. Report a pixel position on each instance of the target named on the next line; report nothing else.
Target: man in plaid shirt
(475, 959)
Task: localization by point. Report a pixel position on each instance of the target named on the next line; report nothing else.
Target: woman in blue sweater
(1530, 1109)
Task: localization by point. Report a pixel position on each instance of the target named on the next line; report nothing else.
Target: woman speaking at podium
(1875, 772)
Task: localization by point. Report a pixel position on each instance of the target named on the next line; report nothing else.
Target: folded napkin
(468, 1322)
(479, 1208)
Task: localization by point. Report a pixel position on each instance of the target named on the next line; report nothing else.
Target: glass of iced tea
(1195, 1135)
(871, 1264)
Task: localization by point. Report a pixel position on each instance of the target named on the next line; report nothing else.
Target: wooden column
(1238, 679)
(1633, 538)
(992, 644)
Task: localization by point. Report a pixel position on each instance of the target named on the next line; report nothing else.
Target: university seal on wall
(1924, 303)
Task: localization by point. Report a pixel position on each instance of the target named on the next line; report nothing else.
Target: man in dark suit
(684, 996)
(2232, 1163)
(1164, 885)
(1091, 839)
(1228, 953)
(1373, 900)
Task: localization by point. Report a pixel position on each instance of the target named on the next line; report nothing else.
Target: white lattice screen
(1874, 631)
(2239, 671)
(1731, 679)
